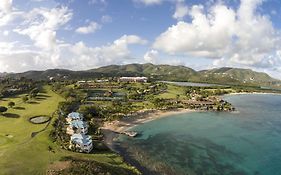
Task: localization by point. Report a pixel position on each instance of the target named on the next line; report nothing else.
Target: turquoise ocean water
(240, 143)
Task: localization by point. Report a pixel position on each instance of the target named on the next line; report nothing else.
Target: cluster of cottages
(77, 129)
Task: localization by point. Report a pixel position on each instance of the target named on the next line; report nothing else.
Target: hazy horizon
(82, 35)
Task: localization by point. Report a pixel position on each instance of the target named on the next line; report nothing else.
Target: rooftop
(75, 115)
(81, 138)
(78, 124)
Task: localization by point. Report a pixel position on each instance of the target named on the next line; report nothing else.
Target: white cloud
(181, 11)
(45, 50)
(106, 19)
(22, 61)
(6, 33)
(95, 2)
(5, 6)
(241, 36)
(202, 37)
(16, 58)
(157, 2)
(6, 18)
(6, 47)
(38, 0)
(7, 13)
(80, 56)
(41, 24)
(91, 28)
(77, 56)
(149, 2)
(130, 39)
(151, 56)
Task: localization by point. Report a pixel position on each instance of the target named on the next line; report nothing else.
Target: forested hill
(224, 75)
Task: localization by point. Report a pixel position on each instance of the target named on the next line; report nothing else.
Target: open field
(172, 92)
(22, 154)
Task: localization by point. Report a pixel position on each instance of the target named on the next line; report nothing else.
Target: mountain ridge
(223, 75)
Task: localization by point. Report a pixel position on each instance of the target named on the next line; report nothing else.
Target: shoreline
(143, 116)
(112, 129)
(140, 117)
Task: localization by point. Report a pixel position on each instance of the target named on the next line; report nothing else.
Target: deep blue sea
(210, 143)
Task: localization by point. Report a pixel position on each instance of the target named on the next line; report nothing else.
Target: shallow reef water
(246, 142)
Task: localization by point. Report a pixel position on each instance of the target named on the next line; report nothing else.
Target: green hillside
(237, 75)
(159, 72)
(56, 73)
(225, 75)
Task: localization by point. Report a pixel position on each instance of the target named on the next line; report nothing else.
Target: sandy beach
(113, 128)
(140, 117)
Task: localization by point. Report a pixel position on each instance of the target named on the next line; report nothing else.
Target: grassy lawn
(21, 154)
(172, 92)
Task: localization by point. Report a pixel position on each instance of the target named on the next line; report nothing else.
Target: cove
(244, 142)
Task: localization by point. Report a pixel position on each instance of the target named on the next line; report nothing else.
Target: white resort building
(77, 126)
(78, 129)
(74, 116)
(81, 142)
(133, 79)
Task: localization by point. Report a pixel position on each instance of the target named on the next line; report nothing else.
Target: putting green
(39, 119)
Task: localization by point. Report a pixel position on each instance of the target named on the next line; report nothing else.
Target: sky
(86, 34)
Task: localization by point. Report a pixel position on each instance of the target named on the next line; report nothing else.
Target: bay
(244, 142)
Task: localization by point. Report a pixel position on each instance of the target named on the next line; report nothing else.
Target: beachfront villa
(81, 143)
(77, 126)
(74, 116)
(78, 129)
(133, 79)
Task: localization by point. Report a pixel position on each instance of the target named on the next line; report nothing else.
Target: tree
(3, 109)
(66, 94)
(90, 111)
(11, 104)
(24, 99)
(68, 106)
(158, 102)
